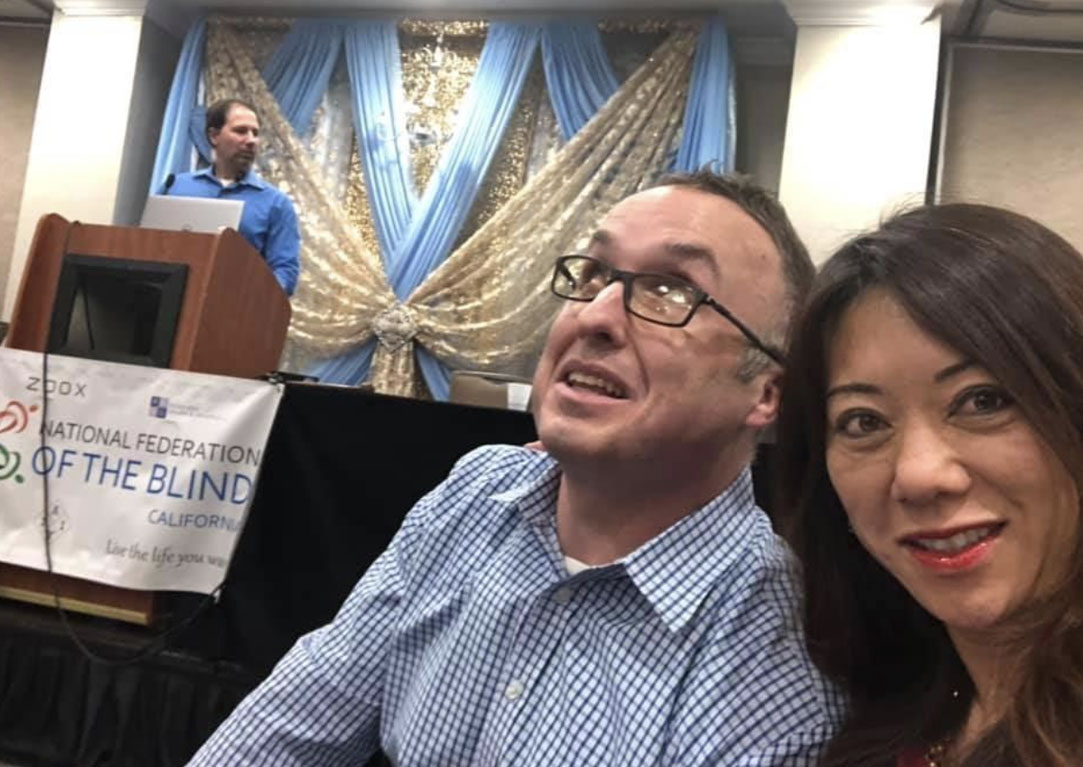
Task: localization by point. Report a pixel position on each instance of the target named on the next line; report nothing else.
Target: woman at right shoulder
(931, 466)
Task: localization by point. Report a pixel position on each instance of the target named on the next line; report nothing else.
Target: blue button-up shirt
(468, 643)
(268, 221)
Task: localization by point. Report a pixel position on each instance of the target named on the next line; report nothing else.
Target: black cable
(156, 643)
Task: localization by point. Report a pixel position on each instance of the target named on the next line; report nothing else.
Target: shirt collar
(536, 497)
(677, 569)
(251, 178)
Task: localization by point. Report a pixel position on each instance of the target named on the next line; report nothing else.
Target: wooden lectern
(233, 320)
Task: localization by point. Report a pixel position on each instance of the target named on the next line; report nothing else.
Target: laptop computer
(191, 214)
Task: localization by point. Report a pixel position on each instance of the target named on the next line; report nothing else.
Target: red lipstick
(938, 551)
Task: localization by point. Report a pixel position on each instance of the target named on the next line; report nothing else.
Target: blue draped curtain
(375, 67)
(372, 55)
(182, 126)
(487, 108)
(580, 80)
(577, 72)
(708, 115)
(351, 368)
(300, 68)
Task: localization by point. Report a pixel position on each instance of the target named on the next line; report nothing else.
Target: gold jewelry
(934, 756)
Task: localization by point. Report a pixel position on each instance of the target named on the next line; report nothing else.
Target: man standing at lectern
(268, 222)
(617, 599)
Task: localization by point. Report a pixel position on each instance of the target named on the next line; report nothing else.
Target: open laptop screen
(191, 214)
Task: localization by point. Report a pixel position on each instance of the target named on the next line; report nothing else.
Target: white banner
(149, 471)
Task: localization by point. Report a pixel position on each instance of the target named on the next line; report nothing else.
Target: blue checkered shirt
(468, 643)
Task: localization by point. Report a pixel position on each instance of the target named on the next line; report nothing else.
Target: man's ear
(765, 410)
(212, 136)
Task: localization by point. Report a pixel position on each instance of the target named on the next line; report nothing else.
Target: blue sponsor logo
(159, 407)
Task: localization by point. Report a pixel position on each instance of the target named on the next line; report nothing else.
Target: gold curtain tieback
(394, 326)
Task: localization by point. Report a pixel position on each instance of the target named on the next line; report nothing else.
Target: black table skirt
(59, 708)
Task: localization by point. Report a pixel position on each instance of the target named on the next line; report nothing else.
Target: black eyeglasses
(657, 298)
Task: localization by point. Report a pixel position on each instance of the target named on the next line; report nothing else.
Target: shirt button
(514, 691)
(563, 595)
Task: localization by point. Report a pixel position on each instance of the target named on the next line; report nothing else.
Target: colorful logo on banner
(143, 473)
(13, 420)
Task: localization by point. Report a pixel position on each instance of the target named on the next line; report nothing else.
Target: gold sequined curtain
(342, 284)
(487, 306)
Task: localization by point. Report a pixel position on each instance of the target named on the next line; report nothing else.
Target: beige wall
(1011, 132)
(22, 52)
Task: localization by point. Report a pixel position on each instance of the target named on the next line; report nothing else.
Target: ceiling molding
(862, 13)
(102, 7)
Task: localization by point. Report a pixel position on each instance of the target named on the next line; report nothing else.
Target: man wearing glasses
(617, 599)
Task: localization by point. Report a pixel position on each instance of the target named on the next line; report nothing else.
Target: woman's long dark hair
(1007, 294)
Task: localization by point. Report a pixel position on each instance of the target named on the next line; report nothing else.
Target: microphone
(168, 182)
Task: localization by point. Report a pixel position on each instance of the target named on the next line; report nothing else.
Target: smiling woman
(931, 441)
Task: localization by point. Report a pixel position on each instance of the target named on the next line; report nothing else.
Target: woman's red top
(913, 757)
